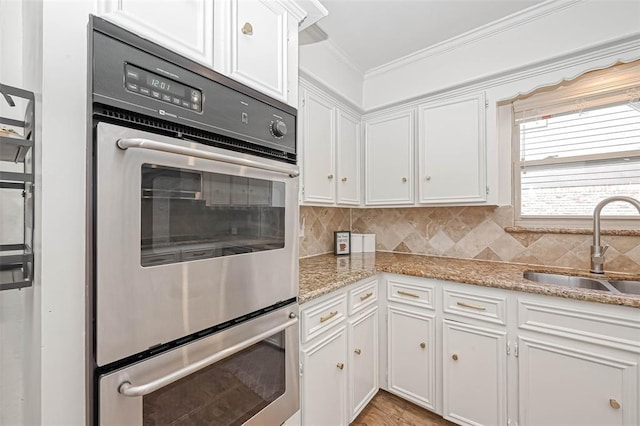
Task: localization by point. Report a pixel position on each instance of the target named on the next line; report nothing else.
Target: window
(576, 144)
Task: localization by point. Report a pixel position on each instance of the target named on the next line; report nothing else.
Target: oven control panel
(161, 88)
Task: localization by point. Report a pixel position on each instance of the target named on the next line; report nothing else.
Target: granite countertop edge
(326, 273)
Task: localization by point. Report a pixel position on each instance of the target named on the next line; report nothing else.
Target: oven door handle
(192, 152)
(128, 389)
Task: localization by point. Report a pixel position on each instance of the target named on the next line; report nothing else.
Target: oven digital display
(160, 88)
(165, 85)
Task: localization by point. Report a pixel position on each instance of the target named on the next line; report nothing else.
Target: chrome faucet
(597, 251)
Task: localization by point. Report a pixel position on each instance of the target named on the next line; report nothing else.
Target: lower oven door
(186, 234)
(247, 374)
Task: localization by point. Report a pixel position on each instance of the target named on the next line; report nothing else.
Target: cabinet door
(185, 26)
(363, 360)
(259, 192)
(474, 373)
(389, 159)
(576, 384)
(254, 46)
(452, 151)
(411, 356)
(324, 381)
(318, 148)
(239, 194)
(348, 148)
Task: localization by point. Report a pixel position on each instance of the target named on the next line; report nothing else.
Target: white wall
(64, 121)
(563, 28)
(13, 303)
(329, 67)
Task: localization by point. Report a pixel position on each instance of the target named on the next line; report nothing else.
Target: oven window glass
(229, 392)
(190, 215)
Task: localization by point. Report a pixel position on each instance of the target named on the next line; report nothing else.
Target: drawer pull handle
(468, 305)
(423, 345)
(328, 317)
(406, 293)
(615, 404)
(454, 357)
(330, 177)
(340, 365)
(247, 29)
(358, 351)
(366, 296)
(344, 179)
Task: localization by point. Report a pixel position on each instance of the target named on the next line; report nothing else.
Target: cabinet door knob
(423, 345)
(344, 179)
(427, 178)
(330, 177)
(454, 357)
(358, 351)
(404, 180)
(247, 29)
(615, 404)
(340, 365)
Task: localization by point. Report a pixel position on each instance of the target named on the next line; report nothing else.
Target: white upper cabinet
(318, 150)
(348, 160)
(329, 139)
(452, 155)
(389, 141)
(184, 26)
(256, 41)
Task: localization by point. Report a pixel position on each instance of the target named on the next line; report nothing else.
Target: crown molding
(343, 57)
(530, 14)
(309, 80)
(623, 49)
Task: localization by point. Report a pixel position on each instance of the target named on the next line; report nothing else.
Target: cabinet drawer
(410, 294)
(473, 305)
(577, 321)
(316, 319)
(363, 296)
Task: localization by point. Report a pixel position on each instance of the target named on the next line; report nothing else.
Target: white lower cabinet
(411, 355)
(475, 355)
(324, 380)
(363, 360)
(474, 371)
(339, 356)
(572, 383)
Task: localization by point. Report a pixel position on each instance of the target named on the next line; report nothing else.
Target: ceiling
(372, 33)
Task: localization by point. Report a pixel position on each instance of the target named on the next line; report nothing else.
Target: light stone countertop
(325, 273)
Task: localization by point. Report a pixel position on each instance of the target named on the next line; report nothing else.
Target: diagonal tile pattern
(465, 232)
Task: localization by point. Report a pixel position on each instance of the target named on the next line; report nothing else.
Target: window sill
(578, 231)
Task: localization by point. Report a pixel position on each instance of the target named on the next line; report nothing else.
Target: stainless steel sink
(566, 280)
(626, 286)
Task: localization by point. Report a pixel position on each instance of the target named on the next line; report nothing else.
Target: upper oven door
(187, 237)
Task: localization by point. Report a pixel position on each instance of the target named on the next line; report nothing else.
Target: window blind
(579, 143)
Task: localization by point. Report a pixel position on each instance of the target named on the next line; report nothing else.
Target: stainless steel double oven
(193, 242)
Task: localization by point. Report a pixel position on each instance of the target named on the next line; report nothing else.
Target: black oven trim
(165, 347)
(114, 115)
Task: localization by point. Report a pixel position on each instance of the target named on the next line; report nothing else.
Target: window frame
(559, 221)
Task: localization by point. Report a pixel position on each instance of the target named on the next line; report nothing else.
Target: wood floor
(386, 409)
